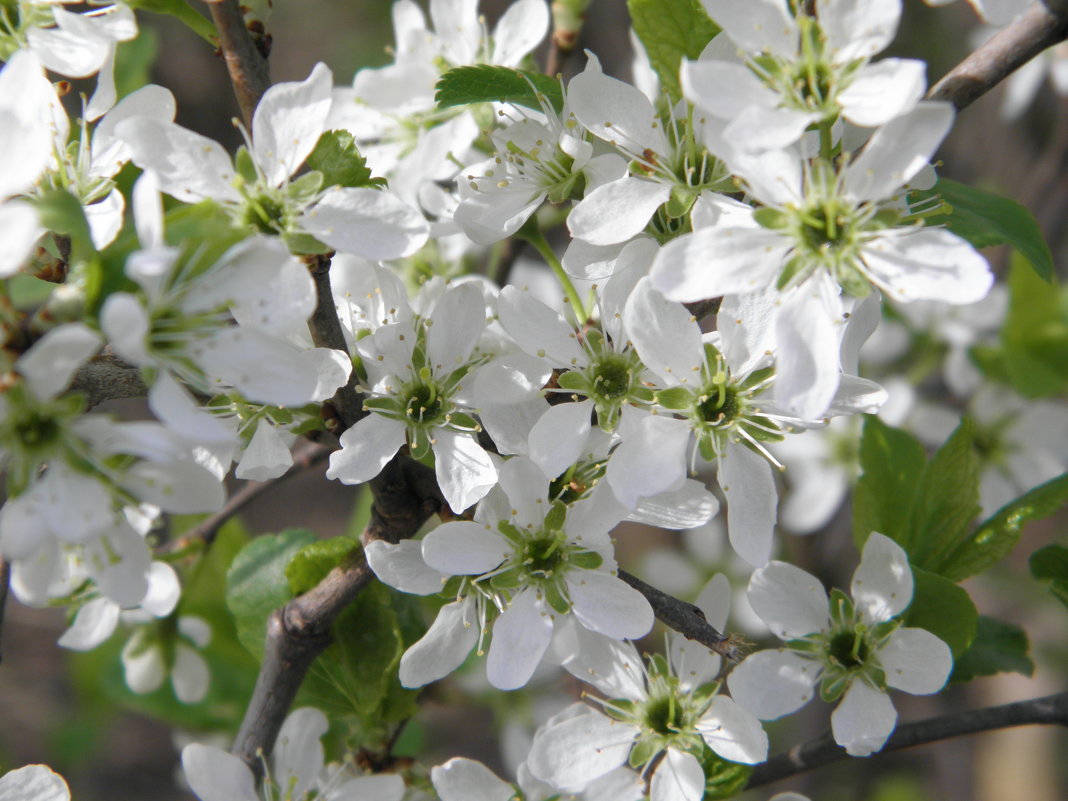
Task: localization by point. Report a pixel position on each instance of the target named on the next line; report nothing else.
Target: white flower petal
(519, 30)
(606, 604)
(288, 122)
(916, 661)
(464, 470)
(807, 331)
(462, 548)
(757, 25)
(689, 506)
(616, 211)
(573, 753)
(859, 28)
(718, 261)
(733, 732)
(33, 783)
(879, 92)
(652, 459)
(444, 647)
(401, 566)
(50, 364)
(298, 752)
(537, 329)
(454, 327)
(771, 684)
(371, 223)
(678, 777)
(520, 636)
(267, 455)
(792, 602)
(559, 437)
(462, 779)
(665, 334)
(216, 775)
(365, 449)
(746, 480)
(190, 675)
(92, 625)
(927, 264)
(882, 583)
(20, 228)
(863, 720)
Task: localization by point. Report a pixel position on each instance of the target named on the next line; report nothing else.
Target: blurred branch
(685, 618)
(5, 579)
(304, 459)
(107, 377)
(248, 69)
(326, 333)
(1043, 25)
(823, 750)
(405, 495)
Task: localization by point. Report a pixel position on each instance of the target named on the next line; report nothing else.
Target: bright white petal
(863, 720)
(616, 211)
(462, 779)
(20, 227)
(371, 223)
(559, 437)
(678, 777)
(746, 480)
(266, 456)
(365, 449)
(519, 31)
(520, 637)
(93, 624)
(882, 583)
(859, 28)
(465, 472)
(33, 783)
(463, 548)
(718, 261)
(606, 604)
(882, 91)
(190, 675)
(916, 661)
(52, 361)
(573, 753)
(401, 566)
(665, 334)
(733, 732)
(288, 122)
(652, 459)
(928, 264)
(298, 752)
(771, 684)
(216, 775)
(807, 332)
(443, 648)
(792, 602)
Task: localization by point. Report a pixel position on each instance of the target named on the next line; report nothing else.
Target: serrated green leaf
(947, 500)
(985, 219)
(1034, 337)
(485, 83)
(256, 583)
(671, 31)
(891, 462)
(1050, 566)
(998, 647)
(339, 160)
(997, 535)
(311, 563)
(944, 609)
(183, 11)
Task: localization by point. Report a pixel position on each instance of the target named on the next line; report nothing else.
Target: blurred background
(59, 708)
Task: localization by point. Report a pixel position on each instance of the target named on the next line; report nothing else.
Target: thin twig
(1043, 25)
(685, 618)
(107, 377)
(405, 494)
(326, 333)
(248, 69)
(5, 578)
(305, 458)
(823, 750)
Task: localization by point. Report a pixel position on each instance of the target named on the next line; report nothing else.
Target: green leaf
(892, 462)
(946, 502)
(338, 158)
(944, 609)
(311, 563)
(183, 11)
(61, 213)
(997, 536)
(985, 219)
(998, 647)
(256, 583)
(1034, 338)
(485, 83)
(1050, 566)
(671, 31)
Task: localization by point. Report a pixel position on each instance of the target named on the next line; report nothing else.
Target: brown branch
(823, 750)
(304, 459)
(248, 69)
(684, 618)
(326, 333)
(5, 579)
(1043, 25)
(107, 377)
(405, 494)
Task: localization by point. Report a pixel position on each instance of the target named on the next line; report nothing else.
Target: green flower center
(265, 214)
(424, 404)
(544, 555)
(665, 715)
(35, 431)
(849, 649)
(612, 379)
(720, 407)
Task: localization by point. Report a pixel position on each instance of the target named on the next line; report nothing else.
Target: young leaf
(944, 609)
(1050, 565)
(485, 83)
(183, 11)
(311, 563)
(256, 583)
(1035, 335)
(998, 647)
(892, 462)
(946, 502)
(985, 219)
(998, 535)
(670, 32)
(338, 158)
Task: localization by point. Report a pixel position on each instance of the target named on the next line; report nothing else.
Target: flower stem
(532, 234)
